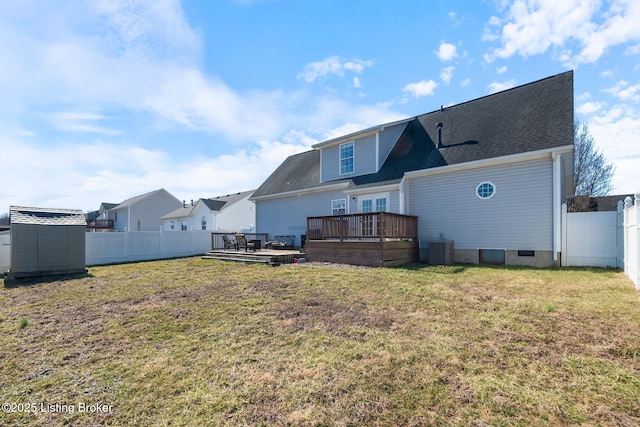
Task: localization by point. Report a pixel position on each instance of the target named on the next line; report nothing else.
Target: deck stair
(258, 257)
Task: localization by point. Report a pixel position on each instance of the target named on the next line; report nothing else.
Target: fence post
(620, 235)
(563, 233)
(636, 231)
(125, 250)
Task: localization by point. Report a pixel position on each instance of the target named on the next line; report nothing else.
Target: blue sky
(104, 100)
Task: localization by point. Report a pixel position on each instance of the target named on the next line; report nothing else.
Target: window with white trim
(485, 190)
(374, 203)
(339, 207)
(346, 158)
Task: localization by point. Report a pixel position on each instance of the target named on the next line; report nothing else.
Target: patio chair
(241, 242)
(229, 244)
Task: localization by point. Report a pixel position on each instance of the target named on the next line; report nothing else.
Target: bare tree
(592, 171)
(4, 219)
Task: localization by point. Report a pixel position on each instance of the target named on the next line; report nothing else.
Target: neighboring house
(99, 220)
(233, 212)
(595, 204)
(143, 212)
(489, 174)
(46, 242)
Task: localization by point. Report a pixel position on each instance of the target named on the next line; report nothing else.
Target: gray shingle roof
(133, 200)
(46, 216)
(218, 202)
(215, 204)
(535, 116)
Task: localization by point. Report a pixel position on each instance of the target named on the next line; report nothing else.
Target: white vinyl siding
(518, 216)
(288, 215)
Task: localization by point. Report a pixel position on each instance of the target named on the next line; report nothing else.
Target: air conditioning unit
(440, 252)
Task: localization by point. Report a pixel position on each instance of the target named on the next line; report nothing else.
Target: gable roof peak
(361, 133)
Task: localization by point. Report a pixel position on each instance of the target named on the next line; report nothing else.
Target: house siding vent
(440, 252)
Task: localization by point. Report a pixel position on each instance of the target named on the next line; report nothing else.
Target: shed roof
(46, 216)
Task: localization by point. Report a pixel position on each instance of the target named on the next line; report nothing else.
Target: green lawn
(199, 342)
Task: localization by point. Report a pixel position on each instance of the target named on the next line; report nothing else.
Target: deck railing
(370, 225)
(100, 223)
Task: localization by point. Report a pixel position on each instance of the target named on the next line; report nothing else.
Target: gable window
(339, 207)
(346, 158)
(173, 225)
(485, 190)
(204, 223)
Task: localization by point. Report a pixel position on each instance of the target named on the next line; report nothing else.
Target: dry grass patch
(200, 342)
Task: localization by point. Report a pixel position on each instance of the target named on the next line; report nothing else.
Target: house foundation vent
(440, 252)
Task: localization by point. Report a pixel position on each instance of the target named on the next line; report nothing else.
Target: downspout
(401, 208)
(377, 151)
(557, 201)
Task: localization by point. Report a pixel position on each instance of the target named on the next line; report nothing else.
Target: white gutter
(373, 189)
(302, 192)
(557, 201)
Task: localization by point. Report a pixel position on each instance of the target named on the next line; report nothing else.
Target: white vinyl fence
(593, 239)
(632, 239)
(113, 248)
(128, 246)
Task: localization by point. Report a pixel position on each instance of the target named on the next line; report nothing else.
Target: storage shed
(46, 242)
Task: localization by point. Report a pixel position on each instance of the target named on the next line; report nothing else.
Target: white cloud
(500, 86)
(623, 91)
(465, 83)
(532, 27)
(332, 65)
(590, 107)
(80, 122)
(139, 58)
(446, 74)
(356, 82)
(633, 50)
(446, 52)
(583, 96)
(502, 69)
(421, 88)
(89, 174)
(614, 132)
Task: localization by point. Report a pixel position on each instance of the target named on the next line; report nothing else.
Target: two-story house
(490, 175)
(143, 212)
(232, 213)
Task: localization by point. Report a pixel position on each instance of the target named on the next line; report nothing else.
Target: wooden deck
(261, 256)
(380, 239)
(361, 252)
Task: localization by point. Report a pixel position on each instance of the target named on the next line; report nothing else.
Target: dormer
(359, 153)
